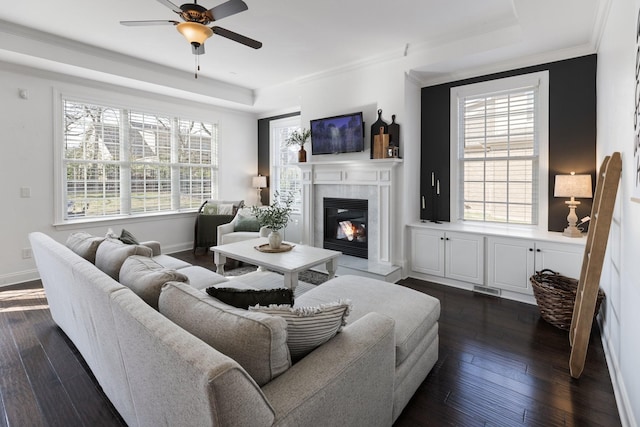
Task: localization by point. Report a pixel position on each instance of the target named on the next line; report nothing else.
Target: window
(286, 177)
(118, 161)
(500, 143)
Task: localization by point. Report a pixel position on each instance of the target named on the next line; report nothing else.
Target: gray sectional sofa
(166, 353)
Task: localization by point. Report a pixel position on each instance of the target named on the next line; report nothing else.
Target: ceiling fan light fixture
(195, 33)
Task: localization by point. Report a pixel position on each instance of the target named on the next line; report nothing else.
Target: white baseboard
(19, 277)
(625, 410)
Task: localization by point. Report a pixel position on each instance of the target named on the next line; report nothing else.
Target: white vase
(275, 239)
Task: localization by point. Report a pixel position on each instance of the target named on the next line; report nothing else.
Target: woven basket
(556, 295)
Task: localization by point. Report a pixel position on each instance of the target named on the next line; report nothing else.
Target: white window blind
(498, 156)
(119, 161)
(286, 177)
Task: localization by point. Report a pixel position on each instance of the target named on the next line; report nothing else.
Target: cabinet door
(509, 263)
(562, 258)
(427, 251)
(464, 257)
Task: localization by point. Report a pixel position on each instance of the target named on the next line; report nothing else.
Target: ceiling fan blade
(228, 8)
(145, 23)
(170, 5)
(237, 37)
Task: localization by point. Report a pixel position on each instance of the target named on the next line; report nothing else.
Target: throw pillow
(222, 207)
(247, 224)
(257, 341)
(84, 244)
(112, 253)
(128, 238)
(243, 298)
(145, 278)
(309, 327)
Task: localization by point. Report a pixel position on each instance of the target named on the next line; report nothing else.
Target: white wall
(27, 161)
(621, 275)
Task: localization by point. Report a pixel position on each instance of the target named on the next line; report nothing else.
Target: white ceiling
(302, 38)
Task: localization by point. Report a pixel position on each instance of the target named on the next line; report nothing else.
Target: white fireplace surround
(373, 180)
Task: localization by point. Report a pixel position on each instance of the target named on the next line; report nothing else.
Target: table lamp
(259, 182)
(572, 186)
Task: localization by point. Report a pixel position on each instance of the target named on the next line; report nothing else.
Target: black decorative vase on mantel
(375, 129)
(394, 132)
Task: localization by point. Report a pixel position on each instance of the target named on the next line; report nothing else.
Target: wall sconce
(259, 182)
(573, 186)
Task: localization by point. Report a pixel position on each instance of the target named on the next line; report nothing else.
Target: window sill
(84, 222)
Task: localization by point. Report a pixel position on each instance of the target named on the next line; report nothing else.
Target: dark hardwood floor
(500, 364)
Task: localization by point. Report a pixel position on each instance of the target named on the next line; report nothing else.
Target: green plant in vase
(275, 217)
(299, 137)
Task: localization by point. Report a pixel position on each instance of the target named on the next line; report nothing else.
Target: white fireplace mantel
(378, 174)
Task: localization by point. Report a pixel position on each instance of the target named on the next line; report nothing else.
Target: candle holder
(435, 199)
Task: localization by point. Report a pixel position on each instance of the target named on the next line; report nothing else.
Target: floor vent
(485, 290)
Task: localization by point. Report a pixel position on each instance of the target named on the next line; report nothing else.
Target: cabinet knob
(538, 250)
(442, 238)
(446, 238)
(530, 249)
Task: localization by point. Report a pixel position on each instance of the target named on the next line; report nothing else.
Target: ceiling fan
(195, 20)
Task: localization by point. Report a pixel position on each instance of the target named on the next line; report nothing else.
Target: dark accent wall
(263, 151)
(572, 133)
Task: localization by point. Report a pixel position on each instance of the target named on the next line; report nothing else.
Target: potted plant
(299, 137)
(275, 217)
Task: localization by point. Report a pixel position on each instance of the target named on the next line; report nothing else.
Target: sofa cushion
(201, 278)
(112, 253)
(222, 207)
(243, 298)
(415, 313)
(167, 261)
(257, 341)
(309, 327)
(84, 244)
(145, 277)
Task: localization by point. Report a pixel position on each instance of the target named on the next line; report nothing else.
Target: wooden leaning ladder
(592, 261)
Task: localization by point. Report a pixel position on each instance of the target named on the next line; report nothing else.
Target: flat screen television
(337, 134)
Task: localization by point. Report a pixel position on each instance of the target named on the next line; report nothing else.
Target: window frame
(109, 101)
(274, 159)
(539, 79)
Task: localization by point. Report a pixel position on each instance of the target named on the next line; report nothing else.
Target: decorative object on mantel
(300, 137)
(275, 217)
(375, 130)
(380, 144)
(394, 138)
(284, 247)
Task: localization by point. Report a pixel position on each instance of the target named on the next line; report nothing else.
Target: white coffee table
(290, 263)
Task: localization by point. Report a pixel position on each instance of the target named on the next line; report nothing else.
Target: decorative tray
(284, 247)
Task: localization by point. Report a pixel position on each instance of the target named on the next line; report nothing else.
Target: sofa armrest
(347, 381)
(224, 229)
(154, 245)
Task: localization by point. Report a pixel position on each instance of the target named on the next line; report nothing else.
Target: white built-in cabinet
(486, 259)
(449, 254)
(511, 262)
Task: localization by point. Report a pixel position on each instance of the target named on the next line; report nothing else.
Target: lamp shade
(259, 181)
(573, 186)
(194, 32)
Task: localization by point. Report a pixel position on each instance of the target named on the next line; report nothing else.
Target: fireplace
(345, 226)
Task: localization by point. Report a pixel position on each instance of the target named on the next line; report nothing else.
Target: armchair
(211, 214)
(243, 226)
